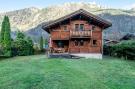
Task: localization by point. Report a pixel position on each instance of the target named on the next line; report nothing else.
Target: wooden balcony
(66, 35)
(80, 34)
(60, 35)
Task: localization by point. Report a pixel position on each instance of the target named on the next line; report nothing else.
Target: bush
(107, 50)
(22, 46)
(125, 49)
(37, 49)
(30, 46)
(1, 51)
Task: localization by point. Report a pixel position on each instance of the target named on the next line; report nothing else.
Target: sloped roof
(105, 23)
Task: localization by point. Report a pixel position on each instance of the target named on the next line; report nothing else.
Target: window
(81, 27)
(76, 27)
(81, 43)
(93, 27)
(60, 44)
(65, 28)
(94, 42)
(76, 43)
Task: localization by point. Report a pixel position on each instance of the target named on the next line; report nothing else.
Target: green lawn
(38, 72)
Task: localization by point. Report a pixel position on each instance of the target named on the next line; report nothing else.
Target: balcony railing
(80, 34)
(65, 35)
(60, 35)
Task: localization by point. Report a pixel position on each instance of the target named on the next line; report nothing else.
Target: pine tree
(20, 35)
(30, 43)
(46, 43)
(7, 37)
(41, 43)
(2, 30)
(21, 45)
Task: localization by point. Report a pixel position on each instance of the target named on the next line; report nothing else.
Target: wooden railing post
(80, 33)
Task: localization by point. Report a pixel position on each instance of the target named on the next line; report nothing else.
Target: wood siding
(60, 35)
(71, 35)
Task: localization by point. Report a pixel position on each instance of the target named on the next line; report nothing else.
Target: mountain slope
(28, 19)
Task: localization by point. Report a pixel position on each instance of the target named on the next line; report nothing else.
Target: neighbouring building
(109, 42)
(128, 37)
(79, 34)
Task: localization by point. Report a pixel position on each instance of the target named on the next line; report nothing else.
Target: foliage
(6, 37)
(46, 43)
(37, 49)
(20, 35)
(2, 30)
(106, 50)
(41, 43)
(30, 46)
(125, 49)
(22, 46)
(1, 52)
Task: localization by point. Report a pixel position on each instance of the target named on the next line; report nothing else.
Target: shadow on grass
(4, 57)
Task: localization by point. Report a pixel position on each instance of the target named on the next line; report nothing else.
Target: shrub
(124, 49)
(22, 46)
(30, 46)
(106, 50)
(37, 49)
(1, 50)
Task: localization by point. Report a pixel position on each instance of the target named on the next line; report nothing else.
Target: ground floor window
(79, 42)
(94, 43)
(65, 28)
(76, 43)
(60, 44)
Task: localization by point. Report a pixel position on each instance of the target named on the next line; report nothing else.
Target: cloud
(130, 6)
(133, 5)
(93, 2)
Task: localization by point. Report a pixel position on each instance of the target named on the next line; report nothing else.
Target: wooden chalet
(79, 34)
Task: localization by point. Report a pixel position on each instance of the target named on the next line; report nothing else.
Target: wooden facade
(79, 32)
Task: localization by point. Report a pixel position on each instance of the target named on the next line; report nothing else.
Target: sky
(10, 5)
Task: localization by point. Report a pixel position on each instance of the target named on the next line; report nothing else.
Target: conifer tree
(2, 30)
(20, 35)
(7, 37)
(30, 43)
(41, 43)
(46, 42)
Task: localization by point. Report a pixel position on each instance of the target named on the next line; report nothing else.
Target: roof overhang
(105, 23)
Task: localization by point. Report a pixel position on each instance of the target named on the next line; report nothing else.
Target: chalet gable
(79, 14)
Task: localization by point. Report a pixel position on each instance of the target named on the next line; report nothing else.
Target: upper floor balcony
(80, 34)
(66, 35)
(60, 35)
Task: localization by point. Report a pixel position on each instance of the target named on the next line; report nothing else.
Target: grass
(38, 72)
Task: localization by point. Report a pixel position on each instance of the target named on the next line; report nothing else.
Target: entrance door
(79, 45)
